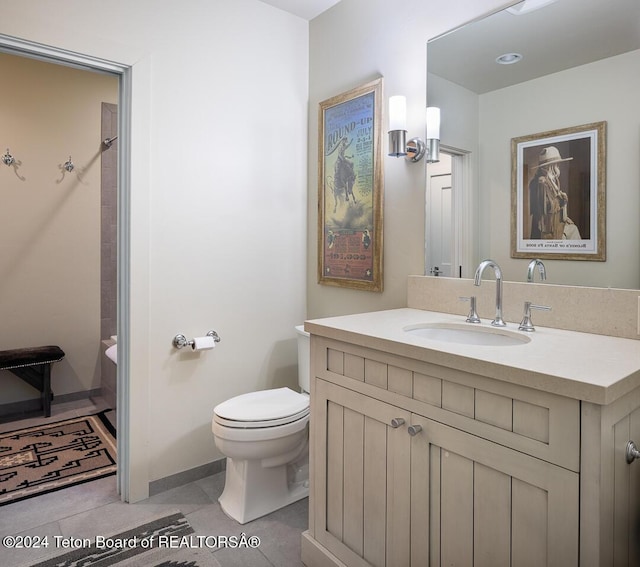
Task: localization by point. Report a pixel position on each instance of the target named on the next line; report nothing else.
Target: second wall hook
(7, 158)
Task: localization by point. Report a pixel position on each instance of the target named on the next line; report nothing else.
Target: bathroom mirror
(580, 61)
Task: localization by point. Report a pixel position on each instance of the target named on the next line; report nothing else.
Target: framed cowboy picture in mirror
(350, 189)
(558, 194)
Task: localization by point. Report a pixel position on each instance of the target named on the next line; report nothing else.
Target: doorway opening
(122, 73)
(449, 219)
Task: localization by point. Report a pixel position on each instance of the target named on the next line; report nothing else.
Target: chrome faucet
(498, 321)
(532, 268)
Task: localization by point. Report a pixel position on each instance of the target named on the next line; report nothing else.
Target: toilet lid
(264, 405)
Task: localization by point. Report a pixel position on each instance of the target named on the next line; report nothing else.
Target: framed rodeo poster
(350, 189)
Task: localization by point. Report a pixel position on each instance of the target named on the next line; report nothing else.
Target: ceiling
(559, 36)
(307, 9)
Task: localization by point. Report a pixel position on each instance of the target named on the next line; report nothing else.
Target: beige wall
(350, 44)
(50, 218)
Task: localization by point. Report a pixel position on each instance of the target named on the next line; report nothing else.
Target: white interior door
(440, 220)
(441, 225)
(449, 219)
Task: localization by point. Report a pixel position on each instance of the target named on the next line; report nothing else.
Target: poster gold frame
(341, 221)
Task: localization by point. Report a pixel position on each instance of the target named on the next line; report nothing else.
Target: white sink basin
(112, 353)
(468, 334)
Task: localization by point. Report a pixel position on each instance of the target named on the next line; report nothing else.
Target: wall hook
(69, 165)
(108, 142)
(8, 159)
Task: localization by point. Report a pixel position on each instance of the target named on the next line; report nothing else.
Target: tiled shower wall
(108, 251)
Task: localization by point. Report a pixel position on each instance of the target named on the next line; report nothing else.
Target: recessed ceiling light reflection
(508, 58)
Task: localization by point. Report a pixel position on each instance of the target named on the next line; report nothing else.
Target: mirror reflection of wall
(560, 82)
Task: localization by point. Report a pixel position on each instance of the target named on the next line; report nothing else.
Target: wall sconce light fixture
(398, 144)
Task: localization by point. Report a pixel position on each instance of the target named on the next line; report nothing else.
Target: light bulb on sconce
(433, 134)
(398, 145)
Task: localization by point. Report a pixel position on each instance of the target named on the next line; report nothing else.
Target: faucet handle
(473, 315)
(527, 324)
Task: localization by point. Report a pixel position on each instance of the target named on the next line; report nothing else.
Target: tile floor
(94, 508)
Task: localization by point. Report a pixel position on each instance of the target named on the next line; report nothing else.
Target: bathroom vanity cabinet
(423, 456)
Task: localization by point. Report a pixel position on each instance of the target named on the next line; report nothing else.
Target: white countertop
(594, 368)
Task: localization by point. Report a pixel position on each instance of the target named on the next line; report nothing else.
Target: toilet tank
(304, 359)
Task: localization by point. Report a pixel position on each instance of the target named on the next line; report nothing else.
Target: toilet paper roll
(203, 343)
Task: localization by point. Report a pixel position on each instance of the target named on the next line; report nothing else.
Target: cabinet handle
(397, 422)
(632, 452)
(414, 430)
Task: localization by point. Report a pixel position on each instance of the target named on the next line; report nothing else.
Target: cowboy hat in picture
(551, 155)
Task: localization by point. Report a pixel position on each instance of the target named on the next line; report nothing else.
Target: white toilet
(265, 437)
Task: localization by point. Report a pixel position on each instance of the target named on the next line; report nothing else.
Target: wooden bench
(33, 365)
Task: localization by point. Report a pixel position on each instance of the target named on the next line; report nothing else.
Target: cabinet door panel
(491, 518)
(456, 515)
(335, 468)
(398, 496)
(490, 505)
(375, 486)
(425, 517)
(362, 502)
(529, 521)
(354, 467)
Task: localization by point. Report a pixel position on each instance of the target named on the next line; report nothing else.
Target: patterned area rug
(165, 542)
(52, 456)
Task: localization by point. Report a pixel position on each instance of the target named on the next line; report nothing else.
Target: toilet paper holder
(180, 341)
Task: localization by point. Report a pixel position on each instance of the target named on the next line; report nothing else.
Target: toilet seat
(265, 408)
(260, 424)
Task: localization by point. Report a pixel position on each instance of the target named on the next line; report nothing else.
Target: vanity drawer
(537, 423)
